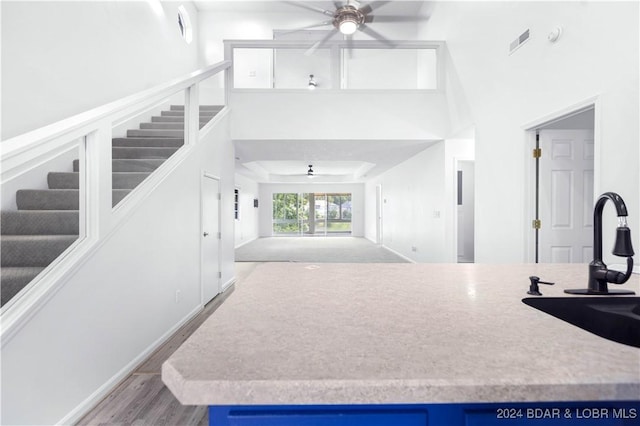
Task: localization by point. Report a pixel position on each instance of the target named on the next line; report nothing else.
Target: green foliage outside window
(330, 213)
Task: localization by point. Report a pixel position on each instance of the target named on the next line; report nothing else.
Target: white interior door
(210, 261)
(566, 196)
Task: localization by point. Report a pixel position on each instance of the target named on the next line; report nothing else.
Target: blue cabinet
(600, 413)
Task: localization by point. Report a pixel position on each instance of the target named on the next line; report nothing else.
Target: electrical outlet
(177, 296)
(436, 214)
(414, 248)
(252, 73)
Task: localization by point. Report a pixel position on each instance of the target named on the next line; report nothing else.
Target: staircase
(47, 220)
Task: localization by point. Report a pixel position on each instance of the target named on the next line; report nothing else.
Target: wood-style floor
(142, 398)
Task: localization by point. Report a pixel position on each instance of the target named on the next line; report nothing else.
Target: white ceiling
(287, 161)
(396, 7)
(332, 160)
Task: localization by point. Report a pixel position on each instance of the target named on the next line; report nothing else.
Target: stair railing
(90, 133)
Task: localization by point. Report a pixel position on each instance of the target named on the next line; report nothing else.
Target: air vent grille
(515, 44)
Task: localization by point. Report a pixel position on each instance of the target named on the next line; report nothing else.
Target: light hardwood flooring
(142, 398)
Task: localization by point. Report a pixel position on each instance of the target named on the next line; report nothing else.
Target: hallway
(315, 250)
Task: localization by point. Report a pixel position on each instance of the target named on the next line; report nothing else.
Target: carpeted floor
(315, 249)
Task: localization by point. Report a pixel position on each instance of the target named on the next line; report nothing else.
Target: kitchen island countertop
(294, 333)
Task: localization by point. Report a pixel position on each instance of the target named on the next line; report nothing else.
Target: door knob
(205, 234)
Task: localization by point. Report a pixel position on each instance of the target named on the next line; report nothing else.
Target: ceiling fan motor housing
(347, 19)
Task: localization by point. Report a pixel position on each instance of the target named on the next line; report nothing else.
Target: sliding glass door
(311, 214)
(338, 213)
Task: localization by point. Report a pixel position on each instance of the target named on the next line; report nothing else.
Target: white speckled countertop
(296, 333)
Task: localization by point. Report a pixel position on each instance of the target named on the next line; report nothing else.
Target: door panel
(566, 196)
(210, 272)
(561, 199)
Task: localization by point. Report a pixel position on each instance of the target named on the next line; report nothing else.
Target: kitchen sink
(616, 319)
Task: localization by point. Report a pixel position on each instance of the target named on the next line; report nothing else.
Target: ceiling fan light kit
(347, 19)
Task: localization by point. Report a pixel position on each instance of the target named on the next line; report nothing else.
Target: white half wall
(339, 115)
(61, 58)
(597, 56)
(121, 303)
(266, 202)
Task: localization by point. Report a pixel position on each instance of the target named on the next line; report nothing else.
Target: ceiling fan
(309, 174)
(350, 17)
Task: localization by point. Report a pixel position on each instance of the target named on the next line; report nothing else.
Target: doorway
(311, 214)
(564, 190)
(210, 237)
(379, 210)
(465, 173)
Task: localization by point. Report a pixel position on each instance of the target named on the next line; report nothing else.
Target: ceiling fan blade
(338, 4)
(310, 7)
(365, 29)
(321, 24)
(368, 8)
(394, 18)
(320, 42)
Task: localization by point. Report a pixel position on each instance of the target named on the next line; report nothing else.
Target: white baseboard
(399, 254)
(94, 399)
(245, 243)
(228, 284)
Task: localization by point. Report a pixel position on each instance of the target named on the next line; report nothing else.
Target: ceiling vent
(515, 44)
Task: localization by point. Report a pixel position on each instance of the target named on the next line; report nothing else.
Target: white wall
(61, 58)
(333, 115)
(268, 189)
(455, 149)
(246, 227)
(418, 203)
(597, 55)
(120, 303)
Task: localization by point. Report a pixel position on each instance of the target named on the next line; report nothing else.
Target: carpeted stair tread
(71, 180)
(155, 133)
(175, 119)
(171, 125)
(128, 180)
(63, 180)
(136, 164)
(57, 199)
(118, 195)
(203, 114)
(40, 222)
(47, 199)
(148, 142)
(131, 164)
(216, 108)
(14, 279)
(122, 152)
(33, 250)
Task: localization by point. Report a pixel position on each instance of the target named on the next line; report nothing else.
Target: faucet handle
(616, 277)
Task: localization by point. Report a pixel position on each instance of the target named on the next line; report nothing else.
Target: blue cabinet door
(607, 413)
